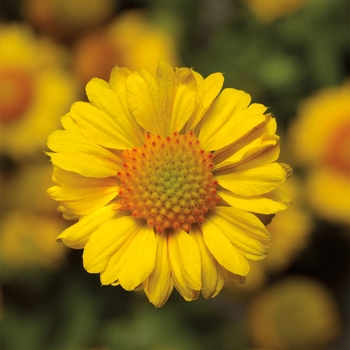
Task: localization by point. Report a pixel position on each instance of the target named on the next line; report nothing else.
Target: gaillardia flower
(166, 175)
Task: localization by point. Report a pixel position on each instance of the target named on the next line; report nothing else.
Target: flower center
(16, 93)
(168, 182)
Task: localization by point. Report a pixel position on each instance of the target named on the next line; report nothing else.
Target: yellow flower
(295, 313)
(25, 189)
(131, 40)
(27, 240)
(35, 91)
(165, 174)
(64, 19)
(270, 10)
(320, 138)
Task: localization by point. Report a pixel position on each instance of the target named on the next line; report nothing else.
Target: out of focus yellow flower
(29, 219)
(269, 10)
(28, 240)
(66, 18)
(25, 189)
(320, 140)
(296, 313)
(34, 91)
(131, 41)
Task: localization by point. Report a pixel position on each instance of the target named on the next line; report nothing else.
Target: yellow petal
(166, 89)
(134, 260)
(82, 156)
(71, 140)
(269, 155)
(232, 278)
(184, 259)
(115, 127)
(199, 78)
(117, 82)
(81, 201)
(252, 182)
(226, 254)
(159, 284)
(67, 214)
(208, 89)
(244, 230)
(287, 169)
(184, 100)
(143, 101)
(106, 240)
(77, 235)
(228, 119)
(212, 279)
(82, 195)
(69, 123)
(261, 137)
(84, 164)
(142, 256)
(250, 151)
(268, 203)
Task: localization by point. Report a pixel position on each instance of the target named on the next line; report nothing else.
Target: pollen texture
(168, 182)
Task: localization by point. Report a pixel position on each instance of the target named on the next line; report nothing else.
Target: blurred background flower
(132, 40)
(269, 10)
(291, 55)
(35, 90)
(320, 142)
(30, 240)
(67, 19)
(294, 313)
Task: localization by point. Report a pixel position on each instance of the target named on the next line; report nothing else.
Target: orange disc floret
(168, 181)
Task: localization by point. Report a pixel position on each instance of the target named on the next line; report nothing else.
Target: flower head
(302, 302)
(326, 155)
(166, 175)
(131, 40)
(27, 240)
(67, 19)
(270, 10)
(35, 89)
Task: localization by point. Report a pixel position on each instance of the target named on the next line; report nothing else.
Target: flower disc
(168, 181)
